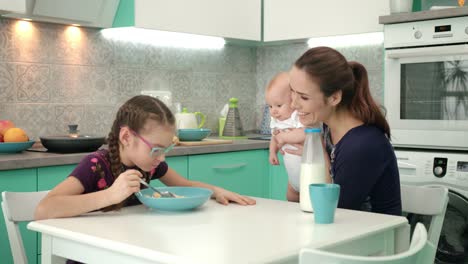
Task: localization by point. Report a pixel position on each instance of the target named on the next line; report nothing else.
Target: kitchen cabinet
(12, 6)
(89, 13)
(238, 19)
(23, 180)
(49, 177)
(301, 19)
(255, 20)
(278, 180)
(244, 172)
(177, 163)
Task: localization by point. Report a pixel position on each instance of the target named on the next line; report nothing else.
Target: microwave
(426, 83)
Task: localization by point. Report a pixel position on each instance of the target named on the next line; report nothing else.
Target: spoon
(165, 194)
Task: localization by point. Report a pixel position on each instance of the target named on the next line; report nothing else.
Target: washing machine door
(453, 243)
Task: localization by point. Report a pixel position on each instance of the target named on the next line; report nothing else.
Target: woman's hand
(224, 196)
(297, 151)
(126, 184)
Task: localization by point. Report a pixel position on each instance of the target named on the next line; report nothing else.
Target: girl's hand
(126, 184)
(297, 151)
(223, 196)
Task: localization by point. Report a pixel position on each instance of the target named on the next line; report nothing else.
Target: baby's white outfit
(291, 162)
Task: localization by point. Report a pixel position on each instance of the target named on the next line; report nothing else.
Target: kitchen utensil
(13, 147)
(221, 123)
(190, 198)
(265, 125)
(195, 134)
(233, 127)
(165, 194)
(163, 96)
(67, 144)
(400, 6)
(267, 138)
(205, 142)
(189, 120)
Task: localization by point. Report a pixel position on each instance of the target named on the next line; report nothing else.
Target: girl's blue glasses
(155, 151)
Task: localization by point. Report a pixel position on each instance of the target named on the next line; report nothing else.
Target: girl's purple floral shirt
(95, 174)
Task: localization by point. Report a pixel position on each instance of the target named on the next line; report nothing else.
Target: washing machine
(442, 168)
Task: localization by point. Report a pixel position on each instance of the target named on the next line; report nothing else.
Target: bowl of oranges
(13, 139)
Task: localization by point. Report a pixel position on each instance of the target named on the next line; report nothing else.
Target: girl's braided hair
(134, 113)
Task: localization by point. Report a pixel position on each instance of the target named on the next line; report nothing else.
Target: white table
(271, 231)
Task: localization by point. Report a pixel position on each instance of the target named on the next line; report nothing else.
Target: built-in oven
(426, 83)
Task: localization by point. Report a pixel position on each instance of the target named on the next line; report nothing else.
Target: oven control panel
(433, 167)
(427, 32)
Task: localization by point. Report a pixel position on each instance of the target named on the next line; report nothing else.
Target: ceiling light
(163, 38)
(374, 38)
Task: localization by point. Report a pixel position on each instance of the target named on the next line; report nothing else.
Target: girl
(327, 88)
(140, 137)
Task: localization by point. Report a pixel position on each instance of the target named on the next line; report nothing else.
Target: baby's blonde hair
(279, 81)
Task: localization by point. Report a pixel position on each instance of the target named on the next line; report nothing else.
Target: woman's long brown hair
(334, 73)
(134, 114)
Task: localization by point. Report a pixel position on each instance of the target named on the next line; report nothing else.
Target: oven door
(426, 96)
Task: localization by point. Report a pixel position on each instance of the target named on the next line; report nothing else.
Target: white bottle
(312, 166)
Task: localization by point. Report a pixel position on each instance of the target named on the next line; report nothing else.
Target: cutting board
(205, 142)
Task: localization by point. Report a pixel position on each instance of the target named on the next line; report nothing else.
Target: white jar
(401, 6)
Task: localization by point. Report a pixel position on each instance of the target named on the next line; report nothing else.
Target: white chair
(429, 201)
(420, 252)
(19, 207)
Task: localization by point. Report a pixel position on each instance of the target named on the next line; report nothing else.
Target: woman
(326, 88)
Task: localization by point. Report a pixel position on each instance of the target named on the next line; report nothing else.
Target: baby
(285, 128)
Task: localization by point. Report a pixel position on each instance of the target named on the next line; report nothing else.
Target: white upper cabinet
(7, 6)
(238, 19)
(91, 13)
(301, 19)
(98, 13)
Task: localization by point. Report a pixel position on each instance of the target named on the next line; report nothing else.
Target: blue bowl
(193, 134)
(13, 147)
(193, 197)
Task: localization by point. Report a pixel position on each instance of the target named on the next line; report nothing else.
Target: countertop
(423, 15)
(30, 159)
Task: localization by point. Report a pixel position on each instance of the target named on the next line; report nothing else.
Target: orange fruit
(15, 134)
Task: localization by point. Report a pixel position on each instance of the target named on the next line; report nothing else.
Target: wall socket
(164, 96)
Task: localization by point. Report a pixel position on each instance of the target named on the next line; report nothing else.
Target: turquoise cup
(324, 198)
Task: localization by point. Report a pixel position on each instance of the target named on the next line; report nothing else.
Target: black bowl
(67, 144)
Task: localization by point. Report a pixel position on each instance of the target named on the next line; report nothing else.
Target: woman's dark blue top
(364, 164)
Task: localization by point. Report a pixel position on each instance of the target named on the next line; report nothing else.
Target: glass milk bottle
(312, 166)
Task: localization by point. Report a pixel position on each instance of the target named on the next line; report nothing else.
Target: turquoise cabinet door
(49, 177)
(23, 180)
(245, 172)
(278, 180)
(177, 163)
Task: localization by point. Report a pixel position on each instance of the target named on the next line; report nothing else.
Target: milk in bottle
(312, 166)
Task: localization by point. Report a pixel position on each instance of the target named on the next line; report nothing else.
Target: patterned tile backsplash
(49, 80)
